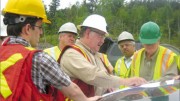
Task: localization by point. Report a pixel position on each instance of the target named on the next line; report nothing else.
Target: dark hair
(14, 28)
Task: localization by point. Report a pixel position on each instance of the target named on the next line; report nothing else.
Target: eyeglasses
(100, 34)
(40, 27)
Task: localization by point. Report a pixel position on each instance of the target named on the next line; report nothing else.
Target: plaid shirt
(45, 70)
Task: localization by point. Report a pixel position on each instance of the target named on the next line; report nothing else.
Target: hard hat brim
(126, 40)
(46, 21)
(79, 28)
(148, 41)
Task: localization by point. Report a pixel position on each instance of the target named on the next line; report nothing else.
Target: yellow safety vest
(164, 60)
(178, 61)
(54, 52)
(121, 70)
(107, 63)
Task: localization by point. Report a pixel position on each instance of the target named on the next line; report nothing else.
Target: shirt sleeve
(77, 66)
(171, 72)
(50, 70)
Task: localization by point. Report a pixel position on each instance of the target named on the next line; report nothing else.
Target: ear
(87, 32)
(27, 29)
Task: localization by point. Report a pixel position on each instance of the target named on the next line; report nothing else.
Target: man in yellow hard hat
(83, 64)
(126, 44)
(67, 36)
(153, 62)
(28, 74)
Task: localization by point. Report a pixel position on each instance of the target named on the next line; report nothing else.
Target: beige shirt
(93, 72)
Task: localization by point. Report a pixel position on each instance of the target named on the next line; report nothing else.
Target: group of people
(74, 69)
(153, 62)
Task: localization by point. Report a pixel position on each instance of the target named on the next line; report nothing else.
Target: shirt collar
(154, 55)
(85, 46)
(18, 40)
(130, 58)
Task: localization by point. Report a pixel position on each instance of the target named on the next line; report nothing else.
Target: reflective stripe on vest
(83, 53)
(178, 61)
(5, 90)
(18, 74)
(105, 59)
(121, 69)
(106, 63)
(164, 60)
(67, 99)
(54, 52)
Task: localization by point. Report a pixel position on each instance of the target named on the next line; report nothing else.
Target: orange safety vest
(88, 90)
(16, 81)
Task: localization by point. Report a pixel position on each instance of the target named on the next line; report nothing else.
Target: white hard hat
(125, 36)
(3, 28)
(95, 21)
(3, 34)
(68, 27)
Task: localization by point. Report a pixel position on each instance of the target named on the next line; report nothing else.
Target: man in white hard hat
(27, 74)
(126, 44)
(67, 36)
(83, 64)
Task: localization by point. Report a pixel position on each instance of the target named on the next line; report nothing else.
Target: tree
(52, 15)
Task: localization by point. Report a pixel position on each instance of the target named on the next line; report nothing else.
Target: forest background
(120, 16)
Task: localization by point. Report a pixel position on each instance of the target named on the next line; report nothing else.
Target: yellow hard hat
(34, 8)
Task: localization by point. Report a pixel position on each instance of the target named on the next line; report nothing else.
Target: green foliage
(121, 16)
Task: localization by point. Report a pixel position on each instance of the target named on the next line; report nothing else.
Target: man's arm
(74, 92)
(77, 66)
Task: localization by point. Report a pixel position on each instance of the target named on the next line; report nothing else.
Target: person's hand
(135, 81)
(95, 98)
(177, 77)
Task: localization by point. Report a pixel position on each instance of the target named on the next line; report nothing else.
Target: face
(127, 48)
(67, 39)
(96, 39)
(150, 49)
(36, 33)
